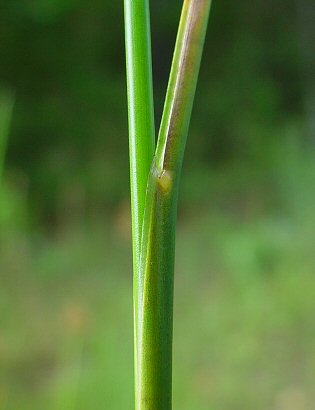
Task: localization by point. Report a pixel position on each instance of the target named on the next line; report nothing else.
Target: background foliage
(246, 225)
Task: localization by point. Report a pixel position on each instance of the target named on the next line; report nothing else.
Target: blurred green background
(245, 285)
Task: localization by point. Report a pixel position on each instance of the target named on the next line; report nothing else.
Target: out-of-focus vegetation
(245, 253)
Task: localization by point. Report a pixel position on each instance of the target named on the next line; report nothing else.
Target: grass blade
(182, 85)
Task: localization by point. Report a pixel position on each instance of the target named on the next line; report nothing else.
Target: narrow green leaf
(182, 85)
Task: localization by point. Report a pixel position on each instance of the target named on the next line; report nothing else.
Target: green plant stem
(140, 109)
(154, 384)
(141, 124)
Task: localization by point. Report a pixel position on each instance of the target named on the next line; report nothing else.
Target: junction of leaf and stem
(154, 188)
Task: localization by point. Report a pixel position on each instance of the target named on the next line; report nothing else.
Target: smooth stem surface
(140, 108)
(141, 123)
(154, 384)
